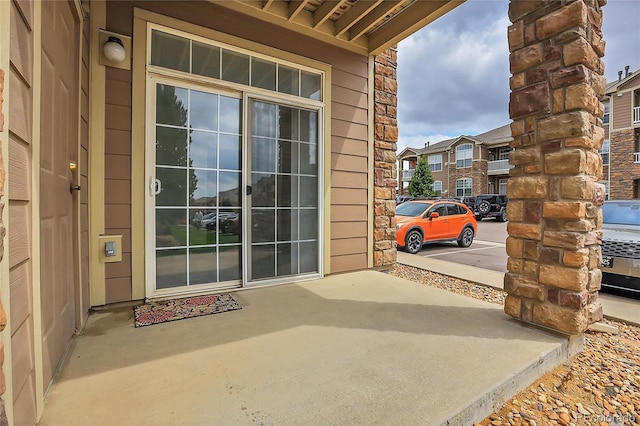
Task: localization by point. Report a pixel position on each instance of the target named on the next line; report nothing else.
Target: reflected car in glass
(425, 221)
(621, 247)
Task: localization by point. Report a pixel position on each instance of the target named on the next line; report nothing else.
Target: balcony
(636, 115)
(498, 167)
(407, 174)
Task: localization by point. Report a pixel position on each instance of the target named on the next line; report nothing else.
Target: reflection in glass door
(198, 203)
(283, 218)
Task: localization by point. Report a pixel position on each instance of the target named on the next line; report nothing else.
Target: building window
(503, 153)
(605, 118)
(437, 188)
(464, 155)
(464, 187)
(502, 186)
(604, 152)
(435, 163)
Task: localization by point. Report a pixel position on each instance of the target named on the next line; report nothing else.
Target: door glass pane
(284, 178)
(230, 115)
(203, 149)
(203, 110)
(198, 205)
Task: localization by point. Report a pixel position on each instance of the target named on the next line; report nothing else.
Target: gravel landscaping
(600, 386)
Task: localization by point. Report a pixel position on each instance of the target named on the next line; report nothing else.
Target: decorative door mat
(173, 310)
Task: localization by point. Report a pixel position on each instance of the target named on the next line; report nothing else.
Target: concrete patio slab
(357, 348)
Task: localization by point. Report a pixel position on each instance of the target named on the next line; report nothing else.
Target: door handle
(249, 190)
(74, 188)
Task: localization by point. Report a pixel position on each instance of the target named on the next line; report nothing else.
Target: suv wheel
(413, 242)
(503, 216)
(484, 207)
(466, 237)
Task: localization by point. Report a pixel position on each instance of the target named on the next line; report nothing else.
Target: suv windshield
(621, 213)
(411, 209)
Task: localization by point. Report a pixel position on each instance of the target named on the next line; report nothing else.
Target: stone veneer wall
(386, 138)
(3, 314)
(623, 170)
(554, 210)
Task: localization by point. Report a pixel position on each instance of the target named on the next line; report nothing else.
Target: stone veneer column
(3, 315)
(554, 211)
(386, 138)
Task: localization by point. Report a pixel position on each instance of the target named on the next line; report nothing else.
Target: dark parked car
(621, 247)
(403, 198)
(488, 205)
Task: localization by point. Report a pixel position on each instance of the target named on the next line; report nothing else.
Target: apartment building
(463, 166)
(621, 148)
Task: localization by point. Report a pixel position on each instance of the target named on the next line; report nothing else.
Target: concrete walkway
(362, 348)
(618, 308)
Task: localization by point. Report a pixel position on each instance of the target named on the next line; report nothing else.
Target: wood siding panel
(117, 167)
(349, 146)
(19, 232)
(20, 118)
(349, 130)
(117, 216)
(117, 117)
(22, 352)
(348, 113)
(118, 290)
(117, 142)
(117, 191)
(349, 196)
(349, 163)
(126, 237)
(621, 111)
(340, 179)
(25, 8)
(24, 402)
(21, 296)
(19, 170)
(349, 97)
(350, 81)
(349, 229)
(119, 269)
(348, 213)
(119, 93)
(346, 246)
(21, 47)
(351, 262)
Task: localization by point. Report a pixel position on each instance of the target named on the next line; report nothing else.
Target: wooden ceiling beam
(357, 12)
(295, 7)
(325, 11)
(373, 18)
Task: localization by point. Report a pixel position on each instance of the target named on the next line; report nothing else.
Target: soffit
(368, 27)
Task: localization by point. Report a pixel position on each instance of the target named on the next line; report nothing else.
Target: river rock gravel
(600, 386)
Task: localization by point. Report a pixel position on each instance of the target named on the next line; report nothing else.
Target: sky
(453, 75)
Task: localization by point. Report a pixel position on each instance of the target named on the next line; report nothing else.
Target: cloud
(453, 75)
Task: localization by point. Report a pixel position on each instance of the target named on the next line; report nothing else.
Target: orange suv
(421, 221)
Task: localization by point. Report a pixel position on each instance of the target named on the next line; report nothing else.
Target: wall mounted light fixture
(115, 50)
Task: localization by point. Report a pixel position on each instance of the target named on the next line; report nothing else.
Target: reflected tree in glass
(171, 146)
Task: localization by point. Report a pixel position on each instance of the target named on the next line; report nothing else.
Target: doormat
(173, 310)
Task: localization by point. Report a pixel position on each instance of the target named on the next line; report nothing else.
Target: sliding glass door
(283, 215)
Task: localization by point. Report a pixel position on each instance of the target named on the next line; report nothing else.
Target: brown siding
(349, 135)
(20, 225)
(621, 111)
(83, 169)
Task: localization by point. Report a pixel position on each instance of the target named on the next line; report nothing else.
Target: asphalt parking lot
(487, 251)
